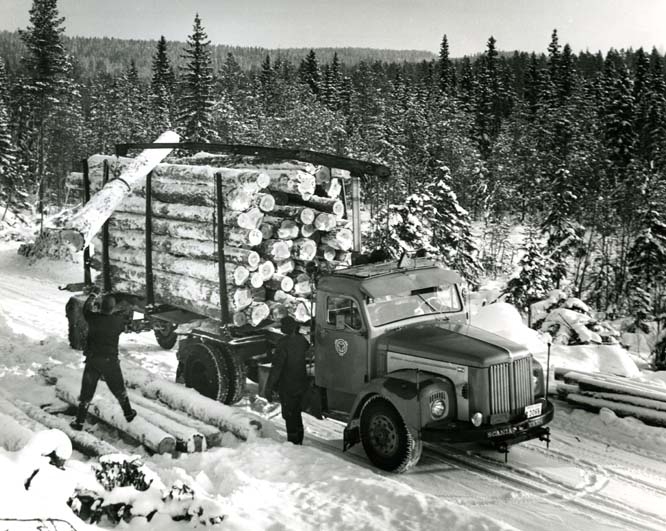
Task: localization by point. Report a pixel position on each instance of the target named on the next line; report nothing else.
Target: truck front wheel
(385, 437)
(166, 336)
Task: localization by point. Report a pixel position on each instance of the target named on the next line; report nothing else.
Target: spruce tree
(309, 72)
(195, 117)
(161, 89)
(47, 84)
(446, 68)
(534, 280)
(8, 151)
(467, 84)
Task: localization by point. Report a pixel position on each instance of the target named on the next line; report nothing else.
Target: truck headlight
(477, 419)
(438, 408)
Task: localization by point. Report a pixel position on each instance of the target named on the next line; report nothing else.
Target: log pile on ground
(283, 223)
(157, 427)
(624, 396)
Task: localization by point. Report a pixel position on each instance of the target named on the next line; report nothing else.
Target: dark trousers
(291, 413)
(107, 368)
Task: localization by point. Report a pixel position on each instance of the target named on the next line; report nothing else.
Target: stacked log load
(283, 223)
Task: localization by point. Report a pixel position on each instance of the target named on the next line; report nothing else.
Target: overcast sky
(416, 24)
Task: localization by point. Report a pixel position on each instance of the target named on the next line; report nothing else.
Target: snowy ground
(601, 472)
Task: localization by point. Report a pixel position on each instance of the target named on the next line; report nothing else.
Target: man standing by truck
(101, 352)
(289, 376)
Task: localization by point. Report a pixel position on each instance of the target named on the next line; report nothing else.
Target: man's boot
(299, 437)
(77, 424)
(127, 410)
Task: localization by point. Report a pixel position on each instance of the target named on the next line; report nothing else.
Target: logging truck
(393, 354)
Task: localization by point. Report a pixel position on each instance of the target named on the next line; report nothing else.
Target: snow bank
(268, 485)
(503, 319)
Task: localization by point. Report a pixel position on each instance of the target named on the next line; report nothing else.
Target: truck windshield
(397, 306)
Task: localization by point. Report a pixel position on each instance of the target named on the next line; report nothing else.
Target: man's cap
(108, 304)
(288, 324)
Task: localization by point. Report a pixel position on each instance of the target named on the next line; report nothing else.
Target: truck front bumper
(499, 435)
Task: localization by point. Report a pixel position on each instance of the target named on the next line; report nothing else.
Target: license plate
(533, 411)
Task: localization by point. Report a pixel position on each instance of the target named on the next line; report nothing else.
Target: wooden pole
(105, 240)
(87, 278)
(224, 304)
(150, 292)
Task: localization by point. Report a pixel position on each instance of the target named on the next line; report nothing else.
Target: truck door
(341, 353)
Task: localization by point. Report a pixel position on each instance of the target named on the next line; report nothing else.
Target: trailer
(393, 354)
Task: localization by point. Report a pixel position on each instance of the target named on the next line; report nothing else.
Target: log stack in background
(283, 223)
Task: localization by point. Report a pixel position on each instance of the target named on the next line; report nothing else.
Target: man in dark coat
(101, 352)
(288, 375)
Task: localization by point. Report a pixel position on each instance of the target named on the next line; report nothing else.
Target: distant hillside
(112, 55)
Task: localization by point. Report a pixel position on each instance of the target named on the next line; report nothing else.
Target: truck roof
(386, 278)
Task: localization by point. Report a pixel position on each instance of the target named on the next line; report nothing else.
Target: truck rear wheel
(237, 376)
(386, 439)
(205, 369)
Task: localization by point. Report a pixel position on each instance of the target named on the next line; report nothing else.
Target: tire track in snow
(587, 497)
(593, 467)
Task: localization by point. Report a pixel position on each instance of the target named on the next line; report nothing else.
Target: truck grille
(511, 386)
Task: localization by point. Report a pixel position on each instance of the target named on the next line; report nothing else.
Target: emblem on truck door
(341, 346)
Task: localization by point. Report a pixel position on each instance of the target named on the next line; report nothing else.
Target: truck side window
(343, 312)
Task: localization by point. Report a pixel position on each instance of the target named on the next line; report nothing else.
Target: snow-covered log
(81, 228)
(13, 435)
(647, 415)
(240, 423)
(187, 439)
(8, 407)
(84, 442)
(105, 407)
(212, 434)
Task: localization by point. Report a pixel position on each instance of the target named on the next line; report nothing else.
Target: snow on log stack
(282, 222)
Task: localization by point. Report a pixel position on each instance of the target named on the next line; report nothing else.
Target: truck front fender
(409, 391)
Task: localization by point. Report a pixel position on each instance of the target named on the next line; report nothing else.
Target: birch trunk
(86, 223)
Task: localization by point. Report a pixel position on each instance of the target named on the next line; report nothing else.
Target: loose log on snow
(82, 441)
(242, 424)
(80, 230)
(187, 439)
(13, 435)
(105, 407)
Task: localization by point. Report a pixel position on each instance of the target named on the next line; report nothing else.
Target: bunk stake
(222, 271)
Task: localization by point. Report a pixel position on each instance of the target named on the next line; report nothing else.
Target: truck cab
(396, 359)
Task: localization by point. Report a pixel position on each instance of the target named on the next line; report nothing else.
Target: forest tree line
(572, 145)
